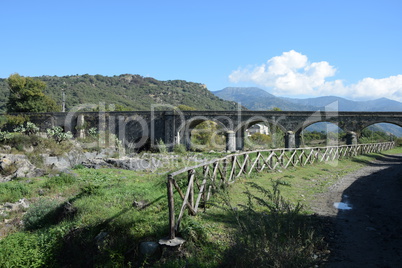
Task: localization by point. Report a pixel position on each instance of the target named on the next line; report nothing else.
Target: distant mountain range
(257, 99)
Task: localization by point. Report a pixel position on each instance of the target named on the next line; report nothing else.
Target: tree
(26, 95)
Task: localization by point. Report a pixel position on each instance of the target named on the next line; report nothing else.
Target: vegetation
(26, 95)
(92, 218)
(123, 92)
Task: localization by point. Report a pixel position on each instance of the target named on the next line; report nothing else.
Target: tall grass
(271, 232)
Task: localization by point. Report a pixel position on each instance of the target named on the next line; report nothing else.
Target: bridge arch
(320, 133)
(184, 134)
(242, 139)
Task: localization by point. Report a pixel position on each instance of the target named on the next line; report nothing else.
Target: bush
(41, 214)
(179, 149)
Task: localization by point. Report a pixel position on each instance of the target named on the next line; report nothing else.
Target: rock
(100, 239)
(149, 248)
(140, 204)
(18, 166)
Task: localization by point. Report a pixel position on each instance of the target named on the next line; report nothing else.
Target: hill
(127, 92)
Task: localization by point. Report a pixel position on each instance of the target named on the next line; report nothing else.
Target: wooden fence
(196, 184)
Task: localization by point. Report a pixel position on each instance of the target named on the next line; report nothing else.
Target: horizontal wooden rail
(204, 178)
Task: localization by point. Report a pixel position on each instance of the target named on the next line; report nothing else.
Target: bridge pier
(230, 141)
(351, 138)
(290, 139)
(240, 140)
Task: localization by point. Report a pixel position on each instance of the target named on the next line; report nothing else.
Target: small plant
(4, 136)
(93, 132)
(28, 129)
(179, 149)
(31, 128)
(162, 148)
(19, 129)
(58, 134)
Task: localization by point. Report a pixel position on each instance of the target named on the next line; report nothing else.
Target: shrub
(4, 136)
(179, 149)
(41, 214)
(11, 121)
(21, 250)
(58, 135)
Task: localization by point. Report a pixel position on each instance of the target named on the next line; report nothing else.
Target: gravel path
(368, 231)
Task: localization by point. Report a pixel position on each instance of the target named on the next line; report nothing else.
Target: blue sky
(290, 48)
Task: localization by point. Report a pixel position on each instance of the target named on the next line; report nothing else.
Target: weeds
(271, 232)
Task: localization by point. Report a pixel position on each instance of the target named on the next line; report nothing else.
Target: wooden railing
(196, 184)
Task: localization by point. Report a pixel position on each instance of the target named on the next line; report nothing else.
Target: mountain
(257, 99)
(378, 105)
(127, 92)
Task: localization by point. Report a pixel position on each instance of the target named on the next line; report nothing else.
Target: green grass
(69, 213)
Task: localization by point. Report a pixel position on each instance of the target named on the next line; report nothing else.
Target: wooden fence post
(172, 232)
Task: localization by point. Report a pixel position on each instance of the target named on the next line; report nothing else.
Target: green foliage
(29, 128)
(4, 136)
(11, 121)
(26, 95)
(179, 149)
(260, 139)
(41, 214)
(207, 135)
(183, 107)
(21, 250)
(58, 134)
(127, 92)
(60, 180)
(272, 233)
(373, 136)
(12, 191)
(93, 132)
(162, 148)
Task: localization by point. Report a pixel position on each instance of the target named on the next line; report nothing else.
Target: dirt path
(368, 233)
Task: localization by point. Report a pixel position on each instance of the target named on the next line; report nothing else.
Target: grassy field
(98, 218)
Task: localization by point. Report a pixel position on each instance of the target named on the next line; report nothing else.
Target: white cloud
(292, 74)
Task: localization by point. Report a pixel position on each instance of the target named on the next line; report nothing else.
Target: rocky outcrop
(17, 166)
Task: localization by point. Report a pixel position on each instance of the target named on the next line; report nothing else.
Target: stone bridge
(140, 129)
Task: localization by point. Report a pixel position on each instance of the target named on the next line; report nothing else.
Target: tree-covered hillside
(127, 92)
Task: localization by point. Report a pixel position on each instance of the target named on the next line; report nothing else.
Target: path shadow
(370, 233)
